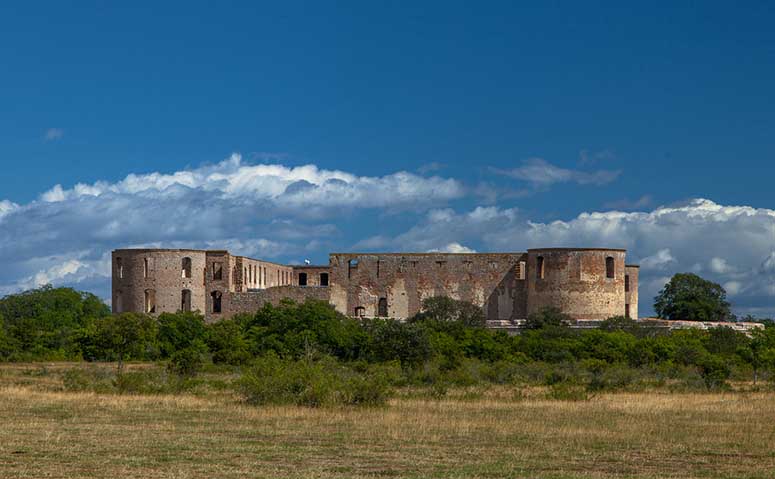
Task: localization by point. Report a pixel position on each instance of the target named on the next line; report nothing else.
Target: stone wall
(250, 302)
(395, 284)
(314, 275)
(158, 274)
(631, 292)
(576, 281)
(587, 284)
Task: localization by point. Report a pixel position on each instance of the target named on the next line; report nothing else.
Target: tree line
(447, 341)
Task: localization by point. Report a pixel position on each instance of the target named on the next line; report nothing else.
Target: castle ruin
(589, 284)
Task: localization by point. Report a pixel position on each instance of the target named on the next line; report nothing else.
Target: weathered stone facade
(588, 284)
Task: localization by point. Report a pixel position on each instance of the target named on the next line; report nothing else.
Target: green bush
(313, 383)
(189, 361)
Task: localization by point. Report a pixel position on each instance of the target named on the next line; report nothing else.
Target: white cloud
(541, 174)
(265, 210)
(659, 260)
(6, 207)
(452, 248)
(665, 241)
(53, 134)
(719, 265)
(279, 212)
(286, 188)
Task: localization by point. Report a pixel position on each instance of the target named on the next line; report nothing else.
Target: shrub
(227, 343)
(715, 372)
(568, 392)
(313, 383)
(189, 361)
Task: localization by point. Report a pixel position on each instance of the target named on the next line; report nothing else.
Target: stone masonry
(587, 283)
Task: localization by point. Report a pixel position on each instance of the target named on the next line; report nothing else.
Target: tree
(689, 297)
(443, 309)
(177, 331)
(547, 317)
(124, 335)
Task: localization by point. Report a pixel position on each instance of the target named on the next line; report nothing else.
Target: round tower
(158, 280)
(585, 283)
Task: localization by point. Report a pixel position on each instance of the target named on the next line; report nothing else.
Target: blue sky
(494, 126)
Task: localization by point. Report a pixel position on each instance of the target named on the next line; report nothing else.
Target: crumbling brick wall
(577, 281)
(395, 284)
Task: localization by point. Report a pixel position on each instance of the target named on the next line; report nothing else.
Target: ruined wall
(631, 293)
(508, 286)
(315, 275)
(159, 272)
(575, 281)
(250, 302)
(395, 284)
(256, 274)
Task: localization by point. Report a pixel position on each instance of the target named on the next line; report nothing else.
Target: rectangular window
(540, 267)
(217, 271)
(323, 279)
(627, 282)
(120, 267)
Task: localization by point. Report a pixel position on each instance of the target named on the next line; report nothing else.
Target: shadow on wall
(508, 299)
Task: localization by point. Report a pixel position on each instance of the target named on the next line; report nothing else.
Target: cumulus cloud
(278, 212)
(736, 242)
(53, 134)
(542, 174)
(452, 248)
(659, 260)
(264, 210)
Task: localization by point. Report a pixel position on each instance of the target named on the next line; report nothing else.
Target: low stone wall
(252, 301)
(517, 325)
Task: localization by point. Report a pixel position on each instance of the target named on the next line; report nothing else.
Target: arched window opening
(360, 311)
(216, 296)
(145, 267)
(217, 271)
(120, 267)
(382, 308)
(540, 267)
(302, 279)
(323, 279)
(150, 301)
(185, 300)
(609, 267)
(626, 282)
(185, 270)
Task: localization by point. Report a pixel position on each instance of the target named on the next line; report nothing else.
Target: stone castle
(589, 284)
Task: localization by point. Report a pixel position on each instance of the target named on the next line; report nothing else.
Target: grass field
(500, 432)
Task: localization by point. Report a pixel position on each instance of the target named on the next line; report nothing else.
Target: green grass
(494, 432)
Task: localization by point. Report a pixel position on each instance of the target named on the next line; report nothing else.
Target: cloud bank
(732, 245)
(266, 210)
(275, 211)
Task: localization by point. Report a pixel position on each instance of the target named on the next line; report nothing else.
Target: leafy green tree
(443, 309)
(178, 331)
(187, 362)
(226, 342)
(406, 342)
(548, 317)
(291, 329)
(48, 323)
(124, 336)
(759, 352)
(690, 297)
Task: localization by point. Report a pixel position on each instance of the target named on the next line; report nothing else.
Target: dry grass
(49, 433)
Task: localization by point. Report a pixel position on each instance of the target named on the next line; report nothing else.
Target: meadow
(493, 431)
